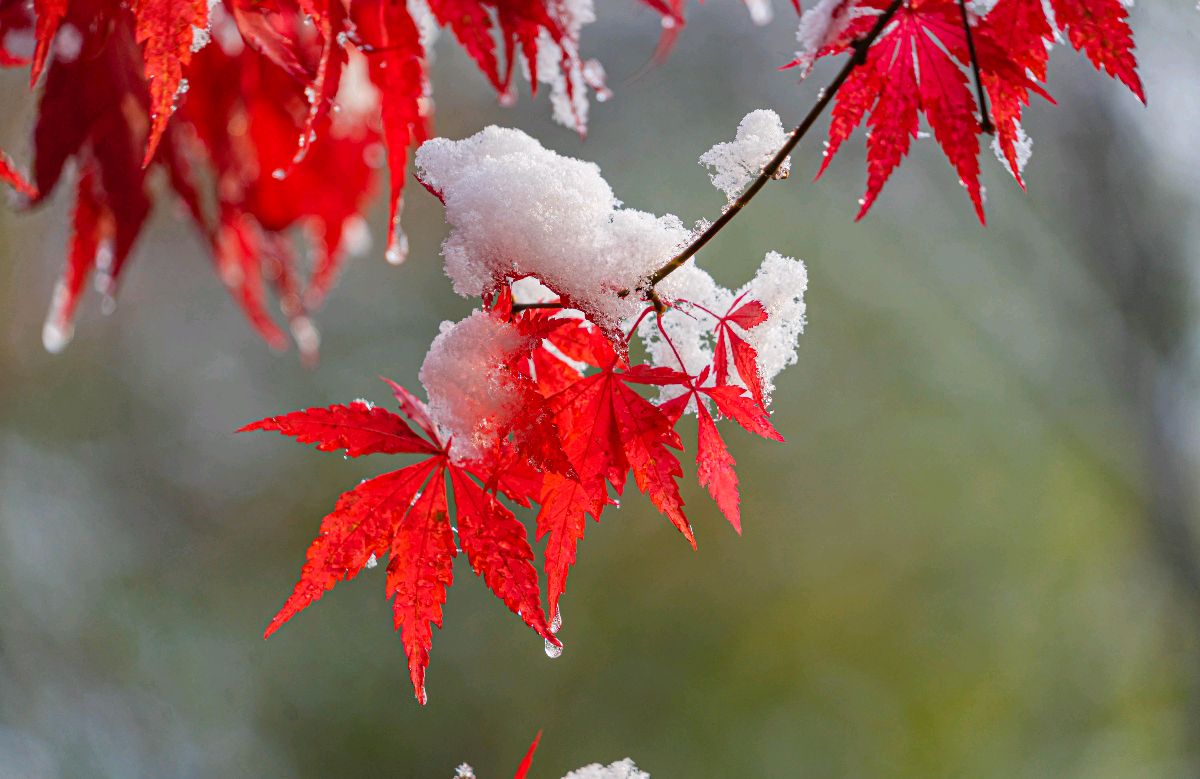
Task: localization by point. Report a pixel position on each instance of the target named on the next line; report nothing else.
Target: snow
(690, 326)
(202, 35)
(1023, 146)
(559, 66)
(761, 12)
(552, 226)
(820, 26)
(517, 209)
(778, 285)
(530, 290)
(736, 163)
(622, 769)
(472, 396)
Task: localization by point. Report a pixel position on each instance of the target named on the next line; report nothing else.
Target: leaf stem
(985, 119)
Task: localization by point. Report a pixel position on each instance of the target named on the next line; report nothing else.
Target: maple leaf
(268, 184)
(745, 357)
(1098, 28)
(92, 227)
(527, 761)
(405, 514)
(608, 429)
(164, 29)
(92, 109)
(49, 15)
(13, 177)
(914, 67)
(397, 67)
(360, 428)
(714, 464)
(1022, 30)
(418, 574)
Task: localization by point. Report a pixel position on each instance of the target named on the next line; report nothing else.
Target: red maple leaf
(746, 316)
(527, 761)
(914, 67)
(917, 66)
(714, 464)
(405, 514)
(1021, 29)
(393, 47)
(164, 29)
(14, 178)
(607, 430)
(49, 15)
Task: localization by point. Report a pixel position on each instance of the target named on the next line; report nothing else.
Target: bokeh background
(974, 557)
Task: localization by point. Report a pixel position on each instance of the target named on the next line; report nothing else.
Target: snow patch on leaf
(822, 26)
(472, 395)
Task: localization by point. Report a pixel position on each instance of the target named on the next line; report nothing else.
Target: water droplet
(556, 621)
(307, 337)
(372, 561)
(55, 337)
(279, 174)
(398, 250)
(552, 651)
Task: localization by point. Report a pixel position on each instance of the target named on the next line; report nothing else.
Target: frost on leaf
(821, 27)
(736, 163)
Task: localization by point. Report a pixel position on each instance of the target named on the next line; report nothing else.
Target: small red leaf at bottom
(523, 768)
(418, 574)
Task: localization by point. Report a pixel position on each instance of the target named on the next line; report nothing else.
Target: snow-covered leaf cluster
(540, 407)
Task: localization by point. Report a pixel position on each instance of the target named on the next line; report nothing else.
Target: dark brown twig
(771, 169)
(985, 118)
(768, 172)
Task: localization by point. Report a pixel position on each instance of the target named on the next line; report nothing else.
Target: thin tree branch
(770, 170)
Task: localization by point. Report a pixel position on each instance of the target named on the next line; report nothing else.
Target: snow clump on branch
(518, 209)
(736, 163)
(551, 226)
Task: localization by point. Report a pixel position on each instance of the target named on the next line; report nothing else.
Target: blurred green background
(974, 557)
